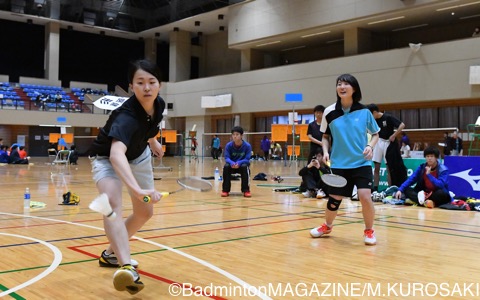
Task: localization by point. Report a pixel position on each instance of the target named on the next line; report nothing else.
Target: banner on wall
(464, 179)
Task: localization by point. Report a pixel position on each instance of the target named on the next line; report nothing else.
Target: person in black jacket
(311, 177)
(73, 158)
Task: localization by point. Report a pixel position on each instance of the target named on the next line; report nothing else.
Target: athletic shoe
(127, 278)
(410, 202)
(421, 197)
(224, 194)
(320, 231)
(247, 194)
(110, 261)
(321, 194)
(378, 196)
(429, 203)
(369, 237)
(308, 194)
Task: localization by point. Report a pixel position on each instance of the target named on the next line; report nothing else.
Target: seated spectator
(15, 157)
(405, 150)
(73, 158)
(58, 97)
(237, 161)
(22, 152)
(430, 181)
(311, 177)
(4, 156)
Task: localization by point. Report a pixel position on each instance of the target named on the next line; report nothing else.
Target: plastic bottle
(217, 174)
(26, 198)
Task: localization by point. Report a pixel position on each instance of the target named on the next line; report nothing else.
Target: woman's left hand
(156, 147)
(368, 153)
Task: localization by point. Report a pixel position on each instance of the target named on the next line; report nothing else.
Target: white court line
(243, 284)
(55, 263)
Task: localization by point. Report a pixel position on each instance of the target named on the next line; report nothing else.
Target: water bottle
(217, 174)
(26, 198)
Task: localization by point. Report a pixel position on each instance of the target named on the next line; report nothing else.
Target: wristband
(369, 146)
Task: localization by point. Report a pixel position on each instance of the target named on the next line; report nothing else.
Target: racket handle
(327, 163)
(164, 194)
(147, 199)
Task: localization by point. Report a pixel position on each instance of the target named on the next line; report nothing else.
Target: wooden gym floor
(229, 248)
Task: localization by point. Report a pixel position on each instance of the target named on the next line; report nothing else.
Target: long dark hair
(357, 94)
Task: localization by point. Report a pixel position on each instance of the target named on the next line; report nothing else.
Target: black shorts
(360, 177)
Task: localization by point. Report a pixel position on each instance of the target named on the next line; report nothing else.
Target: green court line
(13, 295)
(277, 186)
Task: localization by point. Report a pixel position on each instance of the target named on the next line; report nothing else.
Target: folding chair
(52, 154)
(61, 163)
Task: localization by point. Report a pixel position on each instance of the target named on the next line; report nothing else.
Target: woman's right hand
(398, 194)
(326, 158)
(147, 196)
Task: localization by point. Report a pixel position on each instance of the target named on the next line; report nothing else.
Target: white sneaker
(421, 197)
(320, 194)
(307, 194)
(369, 237)
(320, 231)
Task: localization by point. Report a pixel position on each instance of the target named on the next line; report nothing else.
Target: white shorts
(380, 150)
(141, 168)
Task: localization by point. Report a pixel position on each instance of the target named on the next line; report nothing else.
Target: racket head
(334, 180)
(195, 184)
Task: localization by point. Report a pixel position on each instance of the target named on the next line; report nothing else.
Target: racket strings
(196, 184)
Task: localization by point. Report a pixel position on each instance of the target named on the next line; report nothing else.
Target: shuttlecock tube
(102, 205)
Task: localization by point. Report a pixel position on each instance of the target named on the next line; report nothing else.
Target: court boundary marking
(57, 259)
(230, 276)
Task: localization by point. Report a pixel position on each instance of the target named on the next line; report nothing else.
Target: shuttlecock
(101, 205)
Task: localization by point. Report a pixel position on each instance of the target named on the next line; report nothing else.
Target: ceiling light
(386, 20)
(469, 17)
(410, 27)
(293, 48)
(334, 41)
(313, 34)
(456, 6)
(269, 43)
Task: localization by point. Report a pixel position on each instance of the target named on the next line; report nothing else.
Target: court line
(55, 263)
(230, 276)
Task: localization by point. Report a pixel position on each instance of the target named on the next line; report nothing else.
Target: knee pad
(333, 204)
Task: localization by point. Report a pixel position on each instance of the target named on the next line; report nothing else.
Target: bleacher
(46, 98)
(9, 97)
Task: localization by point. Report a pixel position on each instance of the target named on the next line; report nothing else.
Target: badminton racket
(190, 183)
(333, 179)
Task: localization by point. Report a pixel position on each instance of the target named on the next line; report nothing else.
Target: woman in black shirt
(121, 154)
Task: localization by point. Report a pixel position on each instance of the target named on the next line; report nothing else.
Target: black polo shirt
(131, 125)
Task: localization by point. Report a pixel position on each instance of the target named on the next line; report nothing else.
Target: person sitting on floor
(4, 157)
(15, 157)
(431, 179)
(311, 177)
